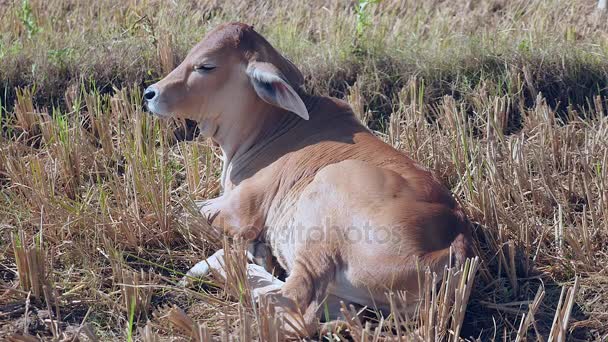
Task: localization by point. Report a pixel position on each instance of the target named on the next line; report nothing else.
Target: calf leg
(301, 300)
(260, 280)
(204, 267)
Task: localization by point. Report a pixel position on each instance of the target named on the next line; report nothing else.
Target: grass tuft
(507, 107)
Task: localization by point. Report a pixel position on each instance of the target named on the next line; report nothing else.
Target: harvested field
(506, 100)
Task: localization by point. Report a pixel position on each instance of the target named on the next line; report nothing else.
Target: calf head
(231, 73)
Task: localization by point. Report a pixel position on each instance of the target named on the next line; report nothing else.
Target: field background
(505, 100)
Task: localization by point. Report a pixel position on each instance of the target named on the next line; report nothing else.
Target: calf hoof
(203, 268)
(294, 324)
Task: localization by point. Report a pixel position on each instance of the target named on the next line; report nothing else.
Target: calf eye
(204, 67)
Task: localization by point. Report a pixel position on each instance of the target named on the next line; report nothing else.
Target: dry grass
(509, 108)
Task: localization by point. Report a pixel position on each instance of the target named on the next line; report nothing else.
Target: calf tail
(462, 246)
(459, 250)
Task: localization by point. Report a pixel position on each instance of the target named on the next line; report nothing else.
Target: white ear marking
(273, 89)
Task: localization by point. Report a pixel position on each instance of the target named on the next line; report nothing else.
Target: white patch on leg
(209, 208)
(261, 281)
(203, 268)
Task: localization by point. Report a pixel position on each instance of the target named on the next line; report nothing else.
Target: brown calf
(346, 215)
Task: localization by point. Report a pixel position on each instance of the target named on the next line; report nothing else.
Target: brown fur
(327, 179)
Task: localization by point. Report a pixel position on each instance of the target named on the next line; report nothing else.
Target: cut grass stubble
(507, 108)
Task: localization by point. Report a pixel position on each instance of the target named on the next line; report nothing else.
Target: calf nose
(150, 93)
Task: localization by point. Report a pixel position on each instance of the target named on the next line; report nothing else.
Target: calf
(346, 215)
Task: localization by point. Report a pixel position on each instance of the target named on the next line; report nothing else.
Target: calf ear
(272, 88)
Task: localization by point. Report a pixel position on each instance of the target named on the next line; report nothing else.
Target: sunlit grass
(508, 108)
